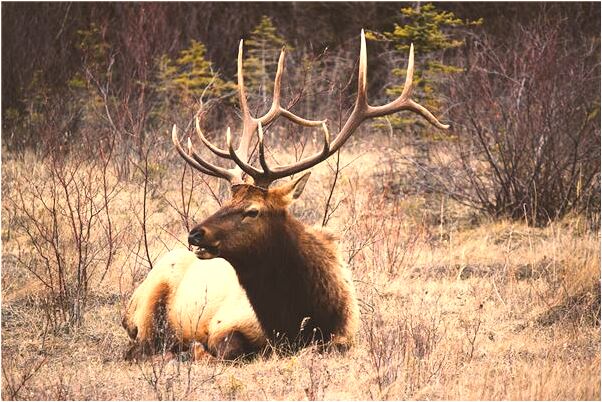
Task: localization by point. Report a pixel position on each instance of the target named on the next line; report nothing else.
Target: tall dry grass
(454, 306)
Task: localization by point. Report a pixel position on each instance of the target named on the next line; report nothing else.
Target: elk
(203, 306)
(293, 275)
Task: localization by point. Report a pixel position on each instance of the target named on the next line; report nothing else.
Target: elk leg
(198, 352)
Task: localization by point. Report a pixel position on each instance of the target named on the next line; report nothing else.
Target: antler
(361, 112)
(250, 124)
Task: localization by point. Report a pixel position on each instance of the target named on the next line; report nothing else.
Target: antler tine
(408, 85)
(218, 151)
(262, 161)
(278, 81)
(276, 109)
(362, 75)
(205, 168)
(271, 174)
(242, 165)
(249, 124)
(403, 102)
(241, 84)
(362, 110)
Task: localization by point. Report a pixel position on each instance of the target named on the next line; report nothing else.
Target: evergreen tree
(190, 76)
(432, 31)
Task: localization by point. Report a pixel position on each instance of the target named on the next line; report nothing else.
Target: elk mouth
(206, 252)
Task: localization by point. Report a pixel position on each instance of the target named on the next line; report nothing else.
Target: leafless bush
(526, 122)
(377, 234)
(183, 206)
(471, 330)
(63, 231)
(17, 372)
(396, 247)
(402, 350)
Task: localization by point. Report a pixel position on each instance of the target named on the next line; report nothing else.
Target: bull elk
(292, 274)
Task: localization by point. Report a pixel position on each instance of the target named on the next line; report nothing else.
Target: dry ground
(454, 306)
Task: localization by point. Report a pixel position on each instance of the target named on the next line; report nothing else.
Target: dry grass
(453, 307)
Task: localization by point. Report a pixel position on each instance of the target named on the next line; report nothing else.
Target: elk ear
(293, 189)
(299, 184)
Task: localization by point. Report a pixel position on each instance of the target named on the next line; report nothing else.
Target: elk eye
(251, 213)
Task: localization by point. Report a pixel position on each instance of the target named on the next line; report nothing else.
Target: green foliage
(426, 29)
(47, 107)
(432, 31)
(95, 51)
(190, 76)
(36, 96)
(262, 51)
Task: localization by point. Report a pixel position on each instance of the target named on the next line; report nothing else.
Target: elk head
(251, 217)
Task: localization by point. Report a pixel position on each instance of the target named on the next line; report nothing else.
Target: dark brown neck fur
(296, 276)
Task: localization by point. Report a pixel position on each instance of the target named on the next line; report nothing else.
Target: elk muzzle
(203, 246)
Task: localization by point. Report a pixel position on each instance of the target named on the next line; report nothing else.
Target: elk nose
(196, 236)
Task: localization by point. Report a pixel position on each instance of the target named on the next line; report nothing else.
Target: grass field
(454, 305)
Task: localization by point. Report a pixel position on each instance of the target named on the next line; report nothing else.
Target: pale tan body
(203, 302)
